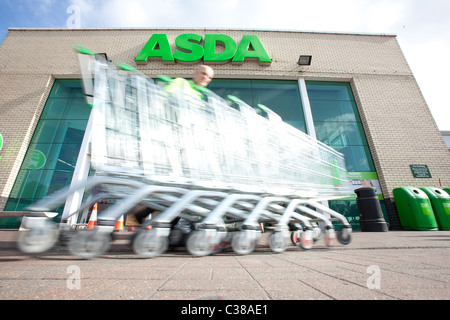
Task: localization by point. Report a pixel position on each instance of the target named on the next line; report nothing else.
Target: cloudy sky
(422, 27)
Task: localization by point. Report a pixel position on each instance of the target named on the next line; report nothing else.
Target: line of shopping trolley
(217, 165)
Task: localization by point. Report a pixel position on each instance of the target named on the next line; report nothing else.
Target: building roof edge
(218, 29)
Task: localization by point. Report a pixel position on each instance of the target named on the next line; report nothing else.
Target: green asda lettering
(213, 49)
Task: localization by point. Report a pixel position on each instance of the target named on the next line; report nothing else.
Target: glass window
(281, 96)
(234, 87)
(51, 157)
(331, 91)
(67, 88)
(334, 111)
(337, 122)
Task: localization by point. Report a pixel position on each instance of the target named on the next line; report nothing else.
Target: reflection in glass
(52, 154)
(337, 122)
(281, 96)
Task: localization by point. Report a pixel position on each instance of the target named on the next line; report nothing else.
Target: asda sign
(212, 49)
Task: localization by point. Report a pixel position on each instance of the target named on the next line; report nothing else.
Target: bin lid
(366, 192)
(411, 191)
(435, 192)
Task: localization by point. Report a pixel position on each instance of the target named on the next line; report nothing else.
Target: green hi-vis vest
(189, 88)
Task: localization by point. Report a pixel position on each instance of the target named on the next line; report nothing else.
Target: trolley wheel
(148, 244)
(87, 244)
(330, 237)
(38, 239)
(295, 237)
(306, 241)
(242, 244)
(198, 245)
(277, 242)
(344, 236)
(317, 234)
(65, 236)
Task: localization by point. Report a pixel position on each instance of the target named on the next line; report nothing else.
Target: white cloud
(135, 13)
(382, 16)
(430, 64)
(319, 15)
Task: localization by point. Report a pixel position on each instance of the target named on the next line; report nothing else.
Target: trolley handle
(268, 113)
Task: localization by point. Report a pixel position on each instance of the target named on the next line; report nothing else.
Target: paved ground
(393, 265)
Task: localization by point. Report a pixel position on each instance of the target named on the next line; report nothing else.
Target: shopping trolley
(207, 161)
(39, 233)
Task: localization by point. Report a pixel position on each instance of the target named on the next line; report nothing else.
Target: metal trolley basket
(205, 160)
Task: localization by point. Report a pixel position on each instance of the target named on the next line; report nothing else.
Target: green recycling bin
(414, 209)
(447, 190)
(440, 202)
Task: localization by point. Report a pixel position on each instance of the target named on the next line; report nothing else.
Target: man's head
(203, 75)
